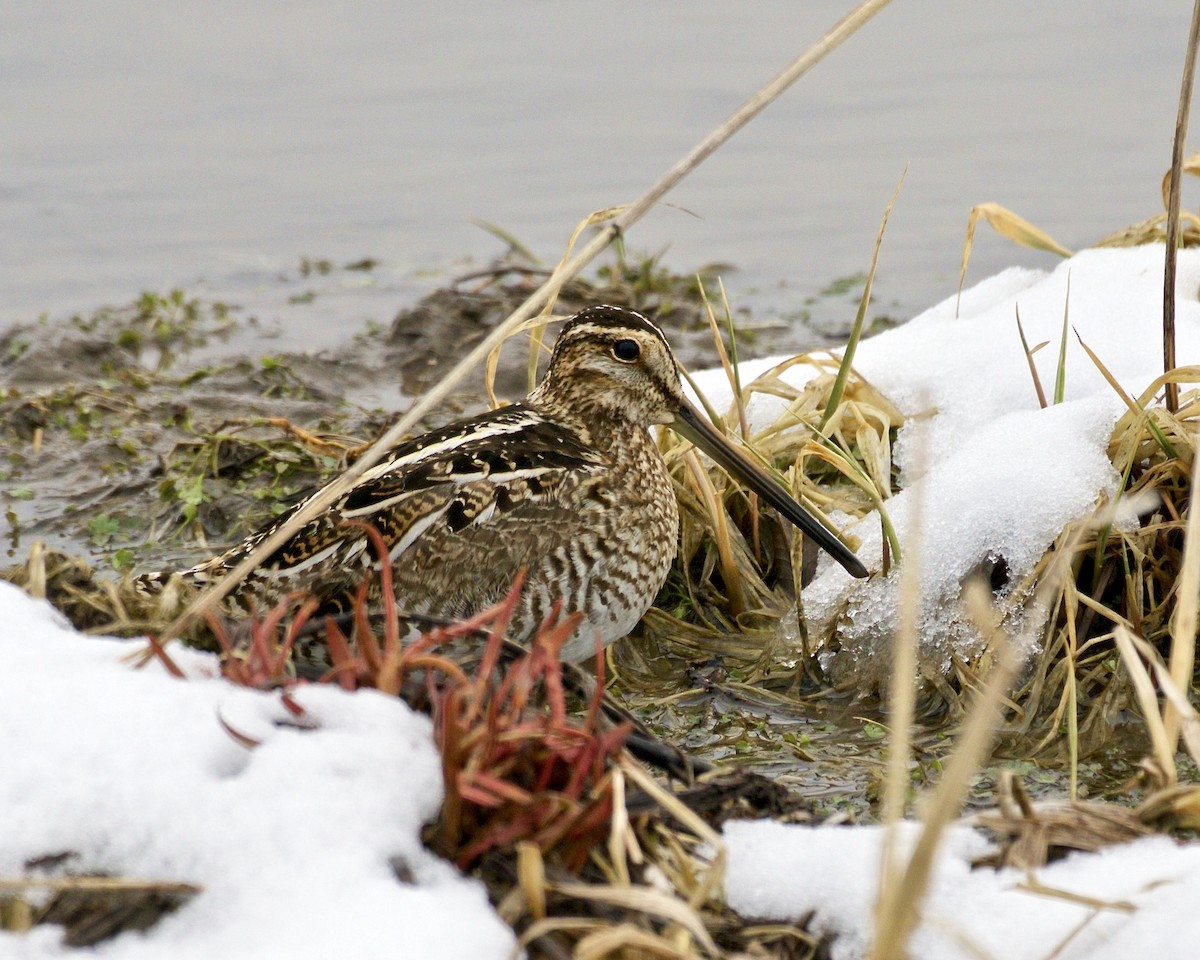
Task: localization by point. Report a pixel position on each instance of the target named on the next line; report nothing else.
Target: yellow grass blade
(1037, 381)
(1183, 623)
(1178, 701)
(531, 877)
(1191, 165)
(1009, 225)
(513, 244)
(1060, 375)
(1135, 406)
(1160, 745)
(730, 366)
(712, 503)
(903, 696)
(1175, 698)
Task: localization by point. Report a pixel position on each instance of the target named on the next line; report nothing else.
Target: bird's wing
(468, 474)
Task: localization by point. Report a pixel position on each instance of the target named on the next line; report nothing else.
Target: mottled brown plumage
(566, 484)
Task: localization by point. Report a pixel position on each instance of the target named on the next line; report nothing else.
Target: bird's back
(591, 520)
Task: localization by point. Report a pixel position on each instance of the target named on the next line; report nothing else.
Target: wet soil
(149, 435)
(159, 430)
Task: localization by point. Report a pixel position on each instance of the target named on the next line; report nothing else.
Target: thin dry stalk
(899, 914)
(1175, 698)
(903, 694)
(1176, 185)
(540, 298)
(1070, 593)
(1183, 623)
(623, 846)
(729, 567)
(1136, 406)
(1124, 906)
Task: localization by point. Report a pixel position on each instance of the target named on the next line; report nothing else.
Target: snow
(293, 841)
(1149, 889)
(1002, 477)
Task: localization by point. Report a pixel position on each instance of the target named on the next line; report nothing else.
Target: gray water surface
(212, 144)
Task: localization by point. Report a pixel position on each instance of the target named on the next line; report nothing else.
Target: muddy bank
(151, 433)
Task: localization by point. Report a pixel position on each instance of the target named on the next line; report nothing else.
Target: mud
(151, 433)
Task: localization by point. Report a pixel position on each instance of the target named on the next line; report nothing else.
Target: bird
(567, 485)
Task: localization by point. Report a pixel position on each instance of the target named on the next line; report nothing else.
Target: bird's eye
(626, 350)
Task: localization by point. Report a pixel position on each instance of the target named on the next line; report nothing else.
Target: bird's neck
(600, 424)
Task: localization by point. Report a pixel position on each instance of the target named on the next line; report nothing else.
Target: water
(211, 145)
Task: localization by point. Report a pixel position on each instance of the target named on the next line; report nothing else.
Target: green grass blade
(839, 383)
(1060, 376)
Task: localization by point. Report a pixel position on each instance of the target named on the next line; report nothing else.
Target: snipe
(567, 484)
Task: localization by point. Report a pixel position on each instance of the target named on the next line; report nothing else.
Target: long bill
(694, 426)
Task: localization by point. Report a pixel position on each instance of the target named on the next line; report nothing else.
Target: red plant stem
(368, 646)
(164, 658)
(345, 667)
(307, 609)
(491, 653)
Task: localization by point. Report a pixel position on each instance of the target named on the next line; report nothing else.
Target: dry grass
(1121, 578)
(1144, 598)
(91, 908)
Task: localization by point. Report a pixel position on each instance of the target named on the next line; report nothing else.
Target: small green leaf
(874, 731)
(190, 492)
(102, 528)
